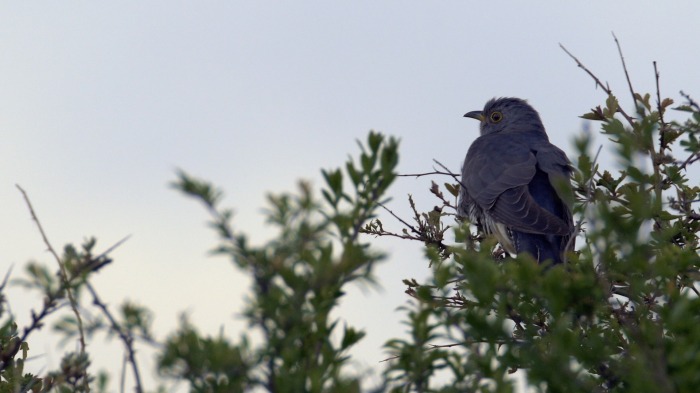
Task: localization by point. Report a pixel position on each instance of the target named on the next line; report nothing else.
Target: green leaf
(611, 107)
(453, 189)
(595, 114)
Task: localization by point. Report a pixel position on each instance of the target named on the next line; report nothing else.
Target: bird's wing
(553, 161)
(519, 210)
(556, 165)
(498, 183)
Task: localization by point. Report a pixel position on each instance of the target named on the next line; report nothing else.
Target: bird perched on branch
(516, 185)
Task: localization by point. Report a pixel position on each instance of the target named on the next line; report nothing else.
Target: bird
(516, 185)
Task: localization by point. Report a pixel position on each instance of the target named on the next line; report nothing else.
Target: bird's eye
(496, 117)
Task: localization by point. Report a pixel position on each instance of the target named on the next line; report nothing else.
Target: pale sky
(101, 102)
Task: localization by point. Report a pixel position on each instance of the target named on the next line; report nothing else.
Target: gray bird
(515, 184)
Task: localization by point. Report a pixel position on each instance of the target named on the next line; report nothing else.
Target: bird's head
(507, 114)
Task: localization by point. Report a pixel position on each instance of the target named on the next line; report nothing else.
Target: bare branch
(690, 160)
(64, 278)
(658, 100)
(624, 67)
(413, 229)
(605, 88)
(126, 338)
(427, 174)
(454, 175)
(691, 102)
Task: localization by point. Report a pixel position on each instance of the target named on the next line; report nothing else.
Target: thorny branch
(690, 100)
(605, 87)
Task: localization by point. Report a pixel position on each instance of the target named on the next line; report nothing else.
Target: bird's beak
(478, 115)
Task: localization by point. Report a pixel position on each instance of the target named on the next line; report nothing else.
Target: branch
(658, 102)
(126, 338)
(605, 88)
(454, 175)
(695, 156)
(11, 350)
(691, 102)
(413, 229)
(64, 278)
(427, 174)
(624, 67)
(465, 343)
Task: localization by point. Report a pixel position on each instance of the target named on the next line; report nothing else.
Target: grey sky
(100, 102)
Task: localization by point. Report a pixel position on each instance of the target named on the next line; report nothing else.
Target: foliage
(621, 315)
(298, 278)
(72, 374)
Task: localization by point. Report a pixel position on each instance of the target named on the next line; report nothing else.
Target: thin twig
(113, 246)
(603, 280)
(413, 229)
(427, 174)
(435, 346)
(7, 277)
(579, 225)
(122, 376)
(64, 278)
(624, 67)
(392, 234)
(695, 155)
(690, 160)
(692, 288)
(467, 342)
(691, 102)
(605, 88)
(654, 156)
(662, 140)
(126, 338)
(658, 102)
(49, 306)
(435, 190)
(454, 175)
